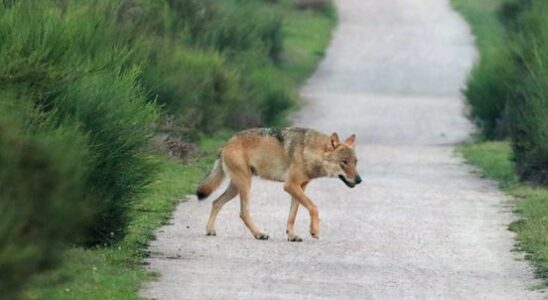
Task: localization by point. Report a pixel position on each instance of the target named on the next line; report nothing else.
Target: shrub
(69, 64)
(528, 109)
(202, 65)
(488, 89)
(120, 123)
(272, 98)
(491, 81)
(241, 27)
(42, 171)
(319, 5)
(103, 66)
(195, 86)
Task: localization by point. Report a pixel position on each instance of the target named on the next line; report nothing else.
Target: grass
(502, 102)
(490, 81)
(117, 272)
(306, 38)
(482, 16)
(531, 202)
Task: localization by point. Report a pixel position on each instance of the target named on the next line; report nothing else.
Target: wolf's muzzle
(357, 180)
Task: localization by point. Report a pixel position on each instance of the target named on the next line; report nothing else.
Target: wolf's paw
(294, 238)
(315, 233)
(261, 236)
(211, 233)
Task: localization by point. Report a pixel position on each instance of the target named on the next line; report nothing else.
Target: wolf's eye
(345, 162)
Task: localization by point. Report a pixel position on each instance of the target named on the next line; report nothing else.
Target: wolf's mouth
(348, 183)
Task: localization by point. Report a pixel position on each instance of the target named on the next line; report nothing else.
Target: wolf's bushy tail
(212, 181)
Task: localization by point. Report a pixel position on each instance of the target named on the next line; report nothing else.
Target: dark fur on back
(277, 133)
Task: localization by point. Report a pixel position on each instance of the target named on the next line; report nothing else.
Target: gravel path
(421, 226)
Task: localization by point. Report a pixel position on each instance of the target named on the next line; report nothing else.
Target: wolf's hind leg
(244, 184)
(229, 194)
(240, 174)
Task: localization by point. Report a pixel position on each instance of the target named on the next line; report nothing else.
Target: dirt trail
(421, 226)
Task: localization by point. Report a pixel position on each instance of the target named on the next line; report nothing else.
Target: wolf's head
(342, 160)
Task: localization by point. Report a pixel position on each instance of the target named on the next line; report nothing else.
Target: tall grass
(41, 201)
(490, 83)
(83, 85)
(201, 61)
(528, 108)
(68, 64)
(488, 95)
(77, 151)
(508, 89)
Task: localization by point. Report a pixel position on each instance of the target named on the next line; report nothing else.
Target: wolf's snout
(348, 183)
(358, 179)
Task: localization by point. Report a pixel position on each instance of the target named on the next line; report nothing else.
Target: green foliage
(118, 272)
(508, 90)
(523, 27)
(494, 160)
(81, 85)
(69, 66)
(239, 26)
(490, 82)
(201, 61)
(488, 94)
(111, 108)
(41, 179)
(325, 6)
(528, 109)
(195, 86)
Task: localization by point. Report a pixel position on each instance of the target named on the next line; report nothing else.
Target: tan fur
(212, 181)
(294, 156)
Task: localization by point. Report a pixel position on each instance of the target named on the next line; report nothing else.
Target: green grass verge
(307, 35)
(482, 16)
(488, 85)
(117, 272)
(494, 161)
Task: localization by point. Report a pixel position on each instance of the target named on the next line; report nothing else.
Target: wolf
(292, 155)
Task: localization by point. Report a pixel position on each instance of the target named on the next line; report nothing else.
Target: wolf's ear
(350, 141)
(334, 139)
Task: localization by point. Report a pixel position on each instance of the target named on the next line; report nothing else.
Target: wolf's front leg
(291, 236)
(297, 192)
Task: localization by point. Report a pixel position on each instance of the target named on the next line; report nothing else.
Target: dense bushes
(207, 54)
(111, 108)
(75, 131)
(528, 107)
(71, 70)
(195, 86)
(489, 83)
(41, 179)
(82, 86)
(235, 27)
(488, 94)
(508, 89)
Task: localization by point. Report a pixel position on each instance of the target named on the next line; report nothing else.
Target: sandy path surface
(421, 226)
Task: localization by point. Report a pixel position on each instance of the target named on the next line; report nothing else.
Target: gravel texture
(421, 226)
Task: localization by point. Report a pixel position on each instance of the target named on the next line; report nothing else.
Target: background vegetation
(93, 93)
(508, 89)
(508, 96)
